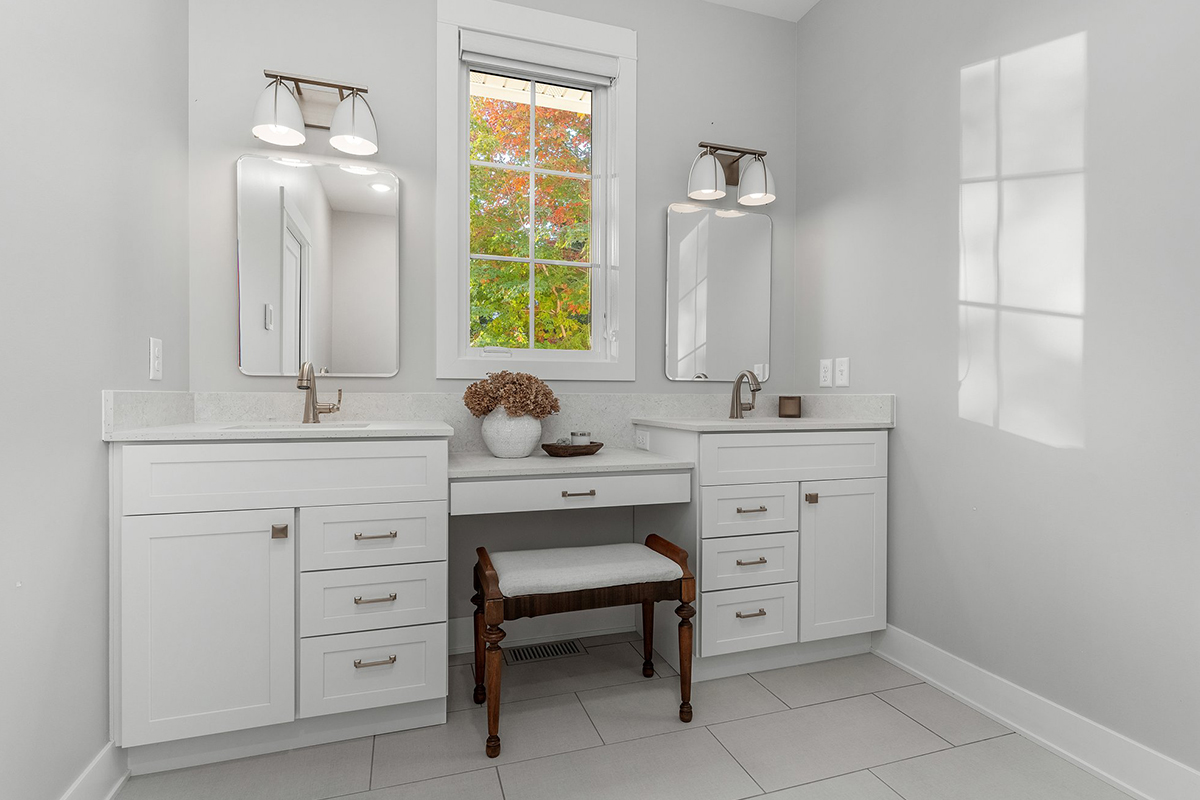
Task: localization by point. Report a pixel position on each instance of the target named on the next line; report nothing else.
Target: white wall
(682, 98)
(93, 261)
(364, 292)
(1071, 571)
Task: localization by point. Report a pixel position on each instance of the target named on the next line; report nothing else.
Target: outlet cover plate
(826, 373)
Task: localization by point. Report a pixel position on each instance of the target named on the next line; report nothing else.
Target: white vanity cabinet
(256, 583)
(789, 539)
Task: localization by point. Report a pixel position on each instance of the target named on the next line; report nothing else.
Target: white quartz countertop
(611, 459)
(283, 431)
(709, 425)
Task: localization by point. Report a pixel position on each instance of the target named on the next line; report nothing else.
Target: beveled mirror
(718, 293)
(318, 267)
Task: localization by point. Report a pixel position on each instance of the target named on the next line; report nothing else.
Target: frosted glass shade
(707, 179)
(756, 187)
(277, 117)
(353, 128)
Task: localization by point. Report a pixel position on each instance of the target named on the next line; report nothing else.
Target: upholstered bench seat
(569, 569)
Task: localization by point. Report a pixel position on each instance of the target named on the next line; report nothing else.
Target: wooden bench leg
(492, 634)
(480, 694)
(685, 612)
(648, 638)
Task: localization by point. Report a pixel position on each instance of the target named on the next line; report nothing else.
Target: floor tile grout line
(914, 719)
(500, 781)
(890, 788)
(352, 795)
(760, 683)
(596, 728)
(735, 759)
(371, 774)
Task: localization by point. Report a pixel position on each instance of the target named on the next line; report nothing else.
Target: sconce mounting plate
(318, 98)
(729, 156)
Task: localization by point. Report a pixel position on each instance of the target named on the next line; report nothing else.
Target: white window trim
(454, 358)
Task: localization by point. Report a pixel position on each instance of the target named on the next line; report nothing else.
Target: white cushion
(568, 569)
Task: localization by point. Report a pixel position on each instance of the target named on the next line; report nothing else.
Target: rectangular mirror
(718, 293)
(318, 267)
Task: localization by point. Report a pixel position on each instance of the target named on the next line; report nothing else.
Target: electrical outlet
(841, 372)
(827, 373)
(155, 359)
(641, 439)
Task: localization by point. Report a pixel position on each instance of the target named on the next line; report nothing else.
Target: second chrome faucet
(312, 409)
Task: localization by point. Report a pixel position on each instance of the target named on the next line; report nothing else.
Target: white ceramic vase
(511, 437)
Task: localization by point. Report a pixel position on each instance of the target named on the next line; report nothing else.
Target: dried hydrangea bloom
(518, 392)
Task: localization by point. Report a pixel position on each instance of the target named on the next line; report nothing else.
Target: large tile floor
(855, 728)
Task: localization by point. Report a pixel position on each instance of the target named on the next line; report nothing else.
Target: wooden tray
(568, 450)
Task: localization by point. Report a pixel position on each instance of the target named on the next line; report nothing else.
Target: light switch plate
(827, 373)
(841, 372)
(155, 359)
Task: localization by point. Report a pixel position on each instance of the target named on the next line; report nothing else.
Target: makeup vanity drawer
(750, 560)
(746, 619)
(569, 492)
(346, 600)
(752, 508)
(334, 537)
(352, 671)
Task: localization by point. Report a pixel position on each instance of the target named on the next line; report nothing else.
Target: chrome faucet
(312, 409)
(736, 406)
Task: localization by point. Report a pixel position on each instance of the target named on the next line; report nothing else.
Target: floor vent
(543, 652)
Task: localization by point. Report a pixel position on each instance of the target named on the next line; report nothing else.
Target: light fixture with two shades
(282, 114)
(719, 166)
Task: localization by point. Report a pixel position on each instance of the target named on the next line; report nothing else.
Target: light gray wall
(93, 259)
(1069, 571)
(683, 97)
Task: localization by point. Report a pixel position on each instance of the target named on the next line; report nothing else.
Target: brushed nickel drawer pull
(383, 662)
(391, 598)
(758, 510)
(761, 560)
(762, 612)
(279, 531)
(359, 537)
(588, 493)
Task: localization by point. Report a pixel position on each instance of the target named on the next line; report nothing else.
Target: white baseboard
(593, 622)
(102, 778)
(1110, 756)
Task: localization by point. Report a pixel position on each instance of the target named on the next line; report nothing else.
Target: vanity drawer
(750, 560)
(334, 537)
(757, 508)
(369, 598)
(768, 618)
(229, 476)
(574, 491)
(791, 456)
(398, 665)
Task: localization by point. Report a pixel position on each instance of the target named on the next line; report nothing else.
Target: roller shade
(536, 59)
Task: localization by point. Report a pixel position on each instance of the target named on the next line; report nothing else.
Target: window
(535, 207)
(530, 215)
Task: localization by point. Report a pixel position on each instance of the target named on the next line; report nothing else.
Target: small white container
(581, 437)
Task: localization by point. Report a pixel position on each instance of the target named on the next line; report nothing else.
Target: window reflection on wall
(1022, 235)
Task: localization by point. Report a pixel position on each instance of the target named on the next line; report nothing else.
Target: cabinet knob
(279, 531)
(811, 497)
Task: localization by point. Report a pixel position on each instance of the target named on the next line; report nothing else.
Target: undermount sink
(294, 426)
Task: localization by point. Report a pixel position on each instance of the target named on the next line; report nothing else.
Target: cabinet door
(843, 557)
(207, 624)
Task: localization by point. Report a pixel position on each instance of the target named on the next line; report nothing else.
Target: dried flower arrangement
(518, 392)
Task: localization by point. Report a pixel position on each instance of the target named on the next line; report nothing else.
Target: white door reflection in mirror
(318, 276)
(718, 293)
(1022, 229)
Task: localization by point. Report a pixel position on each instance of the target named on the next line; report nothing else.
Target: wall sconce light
(720, 165)
(284, 111)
